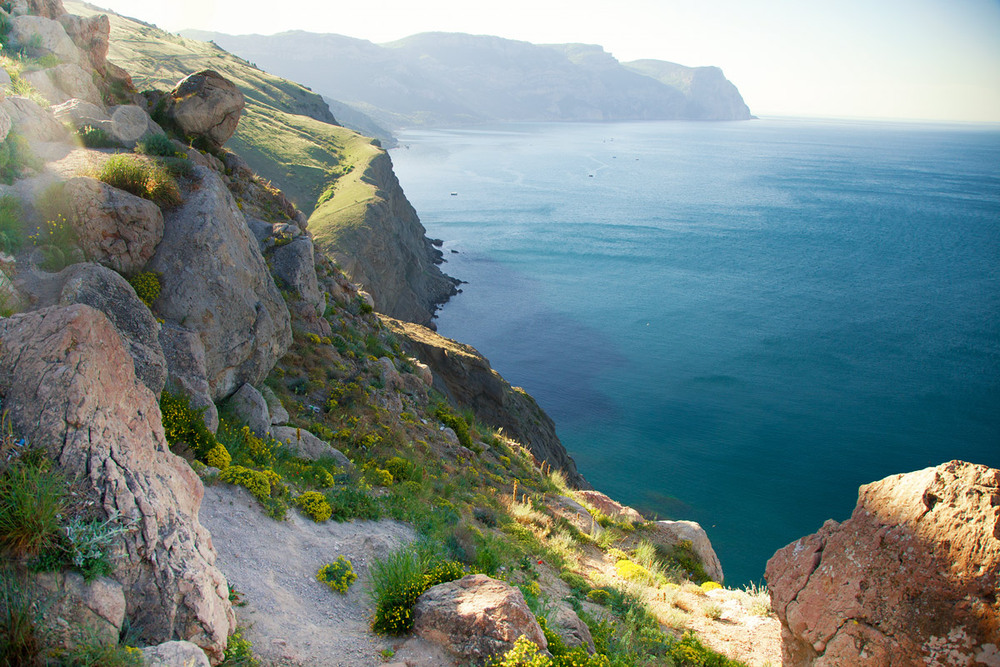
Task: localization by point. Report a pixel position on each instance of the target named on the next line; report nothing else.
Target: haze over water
(735, 323)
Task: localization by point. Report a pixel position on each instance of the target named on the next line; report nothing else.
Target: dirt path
(294, 620)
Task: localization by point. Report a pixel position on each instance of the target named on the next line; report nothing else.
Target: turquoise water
(735, 323)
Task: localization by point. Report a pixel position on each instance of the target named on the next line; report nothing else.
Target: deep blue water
(735, 323)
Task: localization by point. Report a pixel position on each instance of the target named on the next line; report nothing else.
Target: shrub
(710, 586)
(159, 145)
(396, 582)
(254, 481)
(712, 610)
(94, 137)
(93, 652)
(15, 157)
(32, 500)
(239, 651)
(378, 477)
(525, 653)
(11, 231)
(633, 571)
(403, 469)
(88, 544)
(338, 575)
(443, 572)
(58, 240)
(314, 505)
(683, 556)
(457, 424)
(184, 424)
(576, 582)
(147, 286)
(599, 596)
(350, 503)
(141, 178)
(218, 457)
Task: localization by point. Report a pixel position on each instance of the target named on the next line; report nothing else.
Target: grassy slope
(279, 135)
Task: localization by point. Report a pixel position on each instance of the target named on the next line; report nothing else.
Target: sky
(894, 59)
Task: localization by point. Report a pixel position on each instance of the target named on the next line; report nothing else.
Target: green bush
(58, 240)
(457, 424)
(254, 481)
(576, 582)
(94, 137)
(184, 424)
(378, 477)
(141, 178)
(147, 286)
(11, 229)
(315, 506)
(239, 651)
(349, 503)
(403, 470)
(88, 544)
(15, 157)
(338, 575)
(32, 501)
(218, 457)
(95, 653)
(159, 145)
(399, 579)
(599, 596)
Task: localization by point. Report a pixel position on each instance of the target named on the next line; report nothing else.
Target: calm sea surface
(735, 323)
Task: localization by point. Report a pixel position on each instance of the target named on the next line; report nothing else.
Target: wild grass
(11, 227)
(21, 632)
(142, 178)
(33, 498)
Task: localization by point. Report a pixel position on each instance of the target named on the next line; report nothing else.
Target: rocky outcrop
(74, 610)
(309, 446)
(68, 383)
(32, 121)
(387, 252)
(910, 579)
(206, 104)
(64, 82)
(39, 36)
(111, 294)
(248, 406)
(611, 507)
(475, 618)
(185, 355)
(673, 533)
(465, 376)
(215, 282)
(294, 265)
(114, 227)
(91, 35)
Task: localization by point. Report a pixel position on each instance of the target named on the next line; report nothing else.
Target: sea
(735, 323)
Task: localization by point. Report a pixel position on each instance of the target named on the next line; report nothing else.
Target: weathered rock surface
(91, 35)
(40, 36)
(279, 415)
(33, 122)
(206, 104)
(215, 282)
(387, 253)
(174, 654)
(105, 290)
(248, 405)
(611, 507)
(309, 446)
(68, 382)
(910, 579)
(74, 610)
(5, 122)
(475, 617)
(465, 376)
(50, 9)
(64, 82)
(114, 227)
(295, 266)
(130, 123)
(671, 533)
(185, 355)
(80, 113)
(571, 629)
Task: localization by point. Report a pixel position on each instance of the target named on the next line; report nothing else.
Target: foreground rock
(68, 382)
(910, 579)
(206, 104)
(673, 533)
(216, 283)
(465, 376)
(475, 618)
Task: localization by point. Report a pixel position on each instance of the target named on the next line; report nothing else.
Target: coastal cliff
(370, 229)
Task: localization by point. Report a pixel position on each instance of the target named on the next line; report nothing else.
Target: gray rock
(74, 610)
(69, 385)
(248, 405)
(111, 294)
(216, 282)
(114, 227)
(40, 36)
(174, 654)
(206, 104)
(279, 415)
(64, 82)
(129, 124)
(261, 229)
(295, 266)
(571, 629)
(81, 113)
(674, 532)
(309, 446)
(185, 357)
(32, 121)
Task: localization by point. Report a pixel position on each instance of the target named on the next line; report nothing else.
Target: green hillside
(287, 133)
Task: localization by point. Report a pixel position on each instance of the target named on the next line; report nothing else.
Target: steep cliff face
(377, 239)
(707, 93)
(465, 376)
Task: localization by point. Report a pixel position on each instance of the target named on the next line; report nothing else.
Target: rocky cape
(454, 78)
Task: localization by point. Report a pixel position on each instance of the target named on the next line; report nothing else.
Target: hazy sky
(931, 59)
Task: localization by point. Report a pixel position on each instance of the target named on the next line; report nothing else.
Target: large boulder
(80, 113)
(248, 405)
(475, 618)
(215, 282)
(114, 227)
(174, 654)
(674, 533)
(91, 35)
(105, 290)
(130, 123)
(68, 383)
(39, 36)
(573, 631)
(32, 121)
(185, 355)
(309, 446)
(74, 610)
(64, 82)
(206, 104)
(295, 266)
(910, 579)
